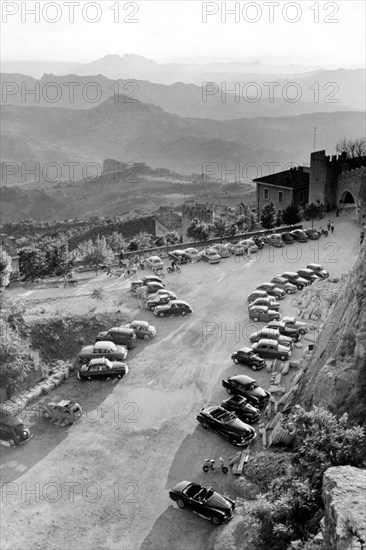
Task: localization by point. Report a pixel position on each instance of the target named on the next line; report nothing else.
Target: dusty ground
(103, 483)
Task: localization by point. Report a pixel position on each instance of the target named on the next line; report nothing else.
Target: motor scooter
(209, 464)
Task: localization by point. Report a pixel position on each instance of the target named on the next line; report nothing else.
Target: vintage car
(247, 387)
(242, 408)
(193, 254)
(276, 240)
(247, 357)
(174, 307)
(312, 233)
(103, 349)
(299, 235)
(121, 336)
(222, 250)
(236, 248)
(203, 502)
(271, 334)
(264, 314)
(295, 279)
(142, 329)
(292, 322)
(12, 429)
(308, 274)
(272, 349)
(211, 256)
(180, 256)
(268, 302)
(249, 246)
(287, 237)
(139, 283)
(318, 270)
(158, 300)
(154, 262)
(101, 367)
(285, 330)
(65, 411)
(226, 424)
(259, 241)
(257, 294)
(272, 290)
(284, 284)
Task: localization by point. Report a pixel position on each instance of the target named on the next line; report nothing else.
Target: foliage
(314, 211)
(140, 241)
(291, 214)
(116, 242)
(353, 148)
(98, 252)
(172, 237)
(221, 227)
(198, 231)
(267, 216)
(49, 257)
(348, 344)
(5, 269)
(279, 220)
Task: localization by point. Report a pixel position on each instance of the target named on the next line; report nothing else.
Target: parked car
(272, 349)
(175, 307)
(242, 408)
(211, 256)
(299, 235)
(247, 387)
(287, 237)
(257, 294)
(308, 274)
(284, 284)
(203, 502)
(103, 349)
(312, 233)
(102, 367)
(271, 334)
(264, 314)
(285, 330)
(193, 254)
(226, 424)
(295, 279)
(222, 250)
(118, 335)
(249, 246)
(152, 288)
(246, 356)
(139, 283)
(65, 411)
(268, 302)
(275, 239)
(163, 292)
(12, 429)
(259, 242)
(142, 329)
(236, 248)
(292, 322)
(159, 300)
(272, 290)
(319, 270)
(179, 256)
(154, 262)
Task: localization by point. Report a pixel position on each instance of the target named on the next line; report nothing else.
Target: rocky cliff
(344, 495)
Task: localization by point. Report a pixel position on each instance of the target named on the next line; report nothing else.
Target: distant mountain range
(188, 100)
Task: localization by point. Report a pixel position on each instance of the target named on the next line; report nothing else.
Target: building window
(301, 196)
(266, 194)
(280, 197)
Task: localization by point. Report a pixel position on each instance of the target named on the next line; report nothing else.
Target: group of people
(330, 226)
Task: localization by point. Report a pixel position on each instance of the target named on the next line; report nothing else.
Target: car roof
(121, 329)
(178, 302)
(260, 308)
(246, 350)
(140, 323)
(280, 278)
(99, 361)
(306, 269)
(242, 379)
(105, 344)
(268, 284)
(268, 341)
(260, 292)
(291, 273)
(289, 318)
(319, 266)
(155, 258)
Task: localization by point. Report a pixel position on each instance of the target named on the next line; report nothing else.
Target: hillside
(141, 132)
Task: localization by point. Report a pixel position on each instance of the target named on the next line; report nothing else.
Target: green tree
(116, 241)
(198, 231)
(172, 237)
(99, 252)
(313, 212)
(140, 241)
(268, 216)
(32, 263)
(5, 269)
(279, 220)
(291, 214)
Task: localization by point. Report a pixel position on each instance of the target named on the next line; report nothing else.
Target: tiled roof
(289, 178)
(170, 220)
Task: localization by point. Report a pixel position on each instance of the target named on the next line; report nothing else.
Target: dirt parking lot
(103, 483)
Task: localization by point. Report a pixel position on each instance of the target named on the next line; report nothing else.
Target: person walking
(329, 225)
(332, 227)
(362, 236)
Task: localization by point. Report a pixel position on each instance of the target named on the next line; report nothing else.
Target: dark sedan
(246, 356)
(272, 290)
(159, 300)
(242, 408)
(226, 424)
(319, 270)
(179, 256)
(102, 367)
(312, 234)
(287, 238)
(295, 279)
(175, 307)
(285, 330)
(203, 502)
(299, 235)
(309, 275)
(247, 387)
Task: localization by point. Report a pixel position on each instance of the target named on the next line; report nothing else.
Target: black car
(101, 367)
(179, 256)
(272, 290)
(308, 274)
(259, 242)
(285, 330)
(299, 235)
(319, 270)
(287, 238)
(204, 502)
(246, 356)
(159, 300)
(226, 424)
(247, 387)
(12, 429)
(242, 408)
(295, 279)
(174, 307)
(312, 234)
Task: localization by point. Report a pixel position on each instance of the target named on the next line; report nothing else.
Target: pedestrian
(108, 270)
(332, 227)
(329, 225)
(362, 236)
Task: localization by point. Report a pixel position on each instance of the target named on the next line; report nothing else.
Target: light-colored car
(103, 348)
(319, 270)
(268, 302)
(271, 349)
(271, 334)
(236, 248)
(263, 313)
(249, 246)
(222, 250)
(193, 254)
(211, 256)
(164, 292)
(154, 262)
(142, 329)
(292, 322)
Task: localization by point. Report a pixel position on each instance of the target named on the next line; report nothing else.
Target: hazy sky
(303, 32)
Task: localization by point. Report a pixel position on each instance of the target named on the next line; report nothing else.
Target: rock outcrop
(344, 495)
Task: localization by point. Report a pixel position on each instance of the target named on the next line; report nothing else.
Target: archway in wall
(347, 205)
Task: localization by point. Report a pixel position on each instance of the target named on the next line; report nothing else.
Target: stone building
(192, 209)
(169, 221)
(283, 188)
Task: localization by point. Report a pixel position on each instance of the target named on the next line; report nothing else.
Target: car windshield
(253, 386)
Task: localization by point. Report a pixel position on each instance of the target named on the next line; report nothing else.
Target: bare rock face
(344, 496)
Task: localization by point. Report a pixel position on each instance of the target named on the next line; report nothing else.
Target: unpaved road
(103, 483)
